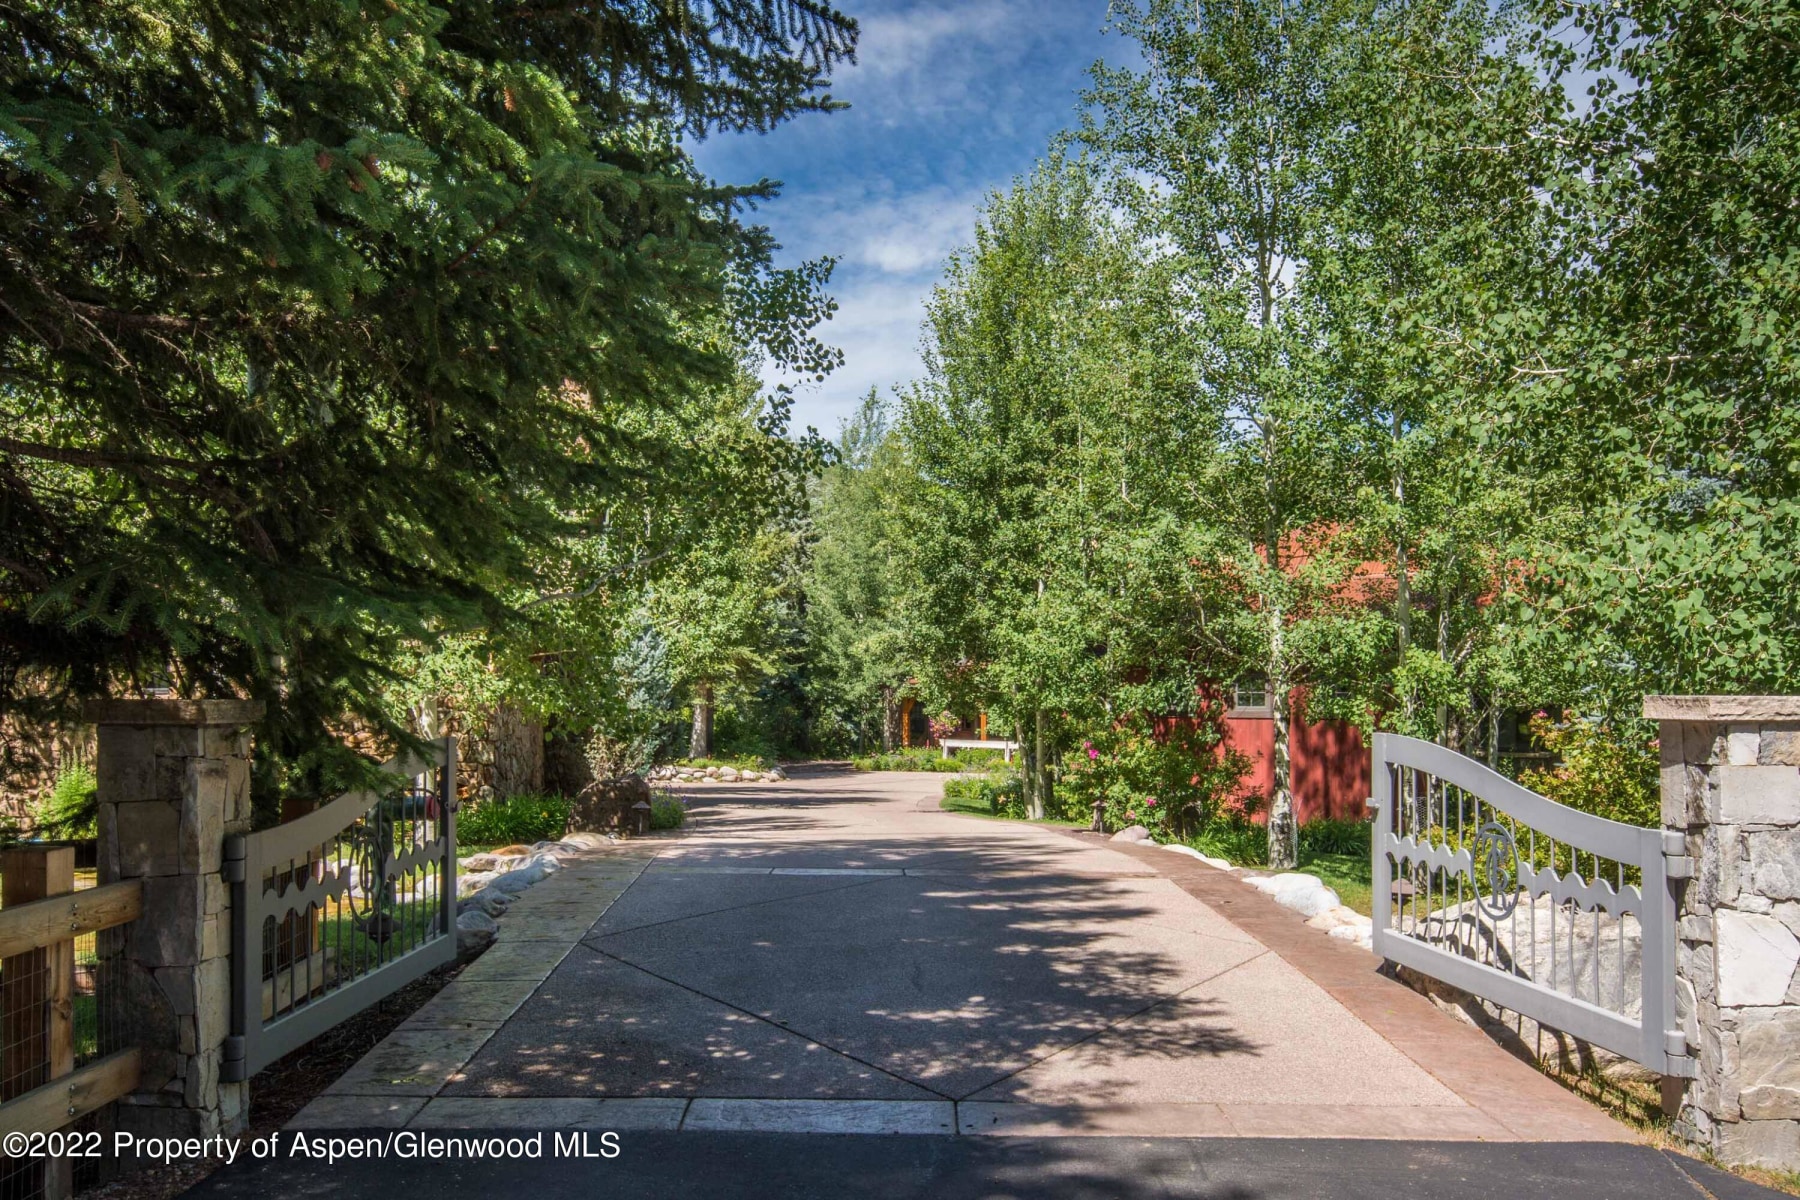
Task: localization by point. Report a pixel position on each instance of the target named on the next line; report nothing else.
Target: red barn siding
(1329, 767)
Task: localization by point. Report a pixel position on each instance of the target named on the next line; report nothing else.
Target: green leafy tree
(716, 611)
(1433, 232)
(1219, 146)
(1662, 391)
(854, 610)
(325, 322)
(1001, 605)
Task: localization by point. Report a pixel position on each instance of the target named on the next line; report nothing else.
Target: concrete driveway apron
(837, 954)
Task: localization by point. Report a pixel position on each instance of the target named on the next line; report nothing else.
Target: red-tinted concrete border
(1513, 1094)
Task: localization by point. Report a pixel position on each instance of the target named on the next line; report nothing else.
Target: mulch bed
(283, 1088)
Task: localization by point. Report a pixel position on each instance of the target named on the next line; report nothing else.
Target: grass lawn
(974, 806)
(1346, 874)
(971, 807)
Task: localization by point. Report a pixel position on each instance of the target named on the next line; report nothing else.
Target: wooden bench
(1005, 747)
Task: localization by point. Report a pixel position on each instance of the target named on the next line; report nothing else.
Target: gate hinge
(1677, 863)
(232, 866)
(1678, 1061)
(231, 1063)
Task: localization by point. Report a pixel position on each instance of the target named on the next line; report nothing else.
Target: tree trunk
(1040, 768)
(1284, 852)
(1443, 647)
(890, 719)
(1027, 772)
(700, 741)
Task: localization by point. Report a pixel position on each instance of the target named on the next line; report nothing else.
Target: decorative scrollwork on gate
(1496, 854)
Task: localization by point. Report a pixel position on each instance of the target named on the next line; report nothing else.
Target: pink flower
(1093, 754)
(1150, 800)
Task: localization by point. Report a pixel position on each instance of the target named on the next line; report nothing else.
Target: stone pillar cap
(172, 712)
(1722, 708)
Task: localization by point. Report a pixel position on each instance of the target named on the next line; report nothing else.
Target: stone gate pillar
(174, 780)
(1731, 785)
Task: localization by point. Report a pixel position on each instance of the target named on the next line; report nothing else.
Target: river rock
(475, 932)
(489, 900)
(1217, 864)
(1305, 894)
(528, 874)
(1132, 833)
(1331, 918)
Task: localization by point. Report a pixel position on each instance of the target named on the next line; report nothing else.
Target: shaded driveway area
(842, 938)
(835, 955)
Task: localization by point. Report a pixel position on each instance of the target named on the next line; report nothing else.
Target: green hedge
(1243, 842)
(739, 762)
(516, 819)
(927, 759)
(666, 811)
(997, 794)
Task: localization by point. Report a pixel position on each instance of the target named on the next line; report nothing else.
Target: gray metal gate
(335, 910)
(1527, 903)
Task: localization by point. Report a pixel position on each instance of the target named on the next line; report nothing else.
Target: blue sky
(949, 102)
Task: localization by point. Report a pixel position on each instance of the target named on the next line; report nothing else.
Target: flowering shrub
(1000, 792)
(1605, 769)
(943, 725)
(1170, 777)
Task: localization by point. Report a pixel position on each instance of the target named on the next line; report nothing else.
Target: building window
(1251, 693)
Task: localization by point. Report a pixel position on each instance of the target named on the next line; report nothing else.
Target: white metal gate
(1557, 914)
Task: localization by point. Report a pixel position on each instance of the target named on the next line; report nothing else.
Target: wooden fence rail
(41, 915)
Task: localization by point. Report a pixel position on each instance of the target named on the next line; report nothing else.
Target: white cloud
(892, 249)
(949, 100)
(877, 326)
(894, 44)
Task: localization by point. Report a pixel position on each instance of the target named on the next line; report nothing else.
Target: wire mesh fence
(62, 1007)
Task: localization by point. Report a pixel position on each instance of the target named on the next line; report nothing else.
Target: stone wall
(507, 757)
(31, 754)
(500, 752)
(174, 782)
(1731, 786)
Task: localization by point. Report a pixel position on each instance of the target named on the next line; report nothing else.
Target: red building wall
(1329, 765)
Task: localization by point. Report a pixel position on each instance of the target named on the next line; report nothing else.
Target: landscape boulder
(475, 932)
(606, 804)
(1217, 864)
(1132, 833)
(1303, 893)
(528, 873)
(491, 901)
